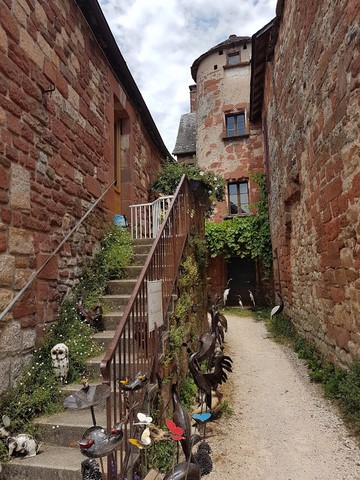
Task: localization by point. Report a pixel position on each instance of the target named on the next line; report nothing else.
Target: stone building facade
(305, 84)
(71, 121)
(226, 143)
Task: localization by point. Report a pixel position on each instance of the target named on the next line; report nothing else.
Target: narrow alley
(282, 427)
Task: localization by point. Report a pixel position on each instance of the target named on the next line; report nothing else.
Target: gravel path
(282, 428)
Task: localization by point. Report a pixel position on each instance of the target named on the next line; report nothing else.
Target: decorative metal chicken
(203, 458)
(207, 382)
(90, 470)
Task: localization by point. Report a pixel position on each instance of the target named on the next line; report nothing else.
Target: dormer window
(233, 58)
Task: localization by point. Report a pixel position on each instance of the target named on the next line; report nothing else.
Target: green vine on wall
(245, 237)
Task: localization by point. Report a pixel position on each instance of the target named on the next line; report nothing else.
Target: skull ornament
(60, 360)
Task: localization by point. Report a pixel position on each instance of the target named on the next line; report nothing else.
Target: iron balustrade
(134, 349)
(146, 218)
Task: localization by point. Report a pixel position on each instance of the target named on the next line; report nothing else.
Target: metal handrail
(146, 218)
(39, 270)
(133, 349)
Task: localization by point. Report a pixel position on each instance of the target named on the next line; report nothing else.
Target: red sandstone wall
(56, 157)
(312, 112)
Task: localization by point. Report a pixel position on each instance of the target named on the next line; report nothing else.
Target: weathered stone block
(21, 241)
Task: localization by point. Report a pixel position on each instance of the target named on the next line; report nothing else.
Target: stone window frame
(234, 53)
(246, 131)
(239, 205)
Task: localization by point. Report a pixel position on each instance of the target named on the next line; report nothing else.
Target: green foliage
(116, 252)
(281, 328)
(244, 237)
(161, 456)
(226, 409)
(189, 273)
(187, 391)
(344, 386)
(170, 176)
(38, 391)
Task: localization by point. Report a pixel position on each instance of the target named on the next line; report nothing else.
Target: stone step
(112, 319)
(51, 463)
(122, 369)
(115, 302)
(132, 271)
(124, 286)
(66, 428)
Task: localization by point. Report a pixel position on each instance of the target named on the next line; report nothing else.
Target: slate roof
(186, 137)
(232, 41)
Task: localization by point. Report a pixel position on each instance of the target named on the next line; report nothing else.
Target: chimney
(193, 98)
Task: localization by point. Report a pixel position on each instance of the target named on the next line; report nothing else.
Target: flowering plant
(169, 178)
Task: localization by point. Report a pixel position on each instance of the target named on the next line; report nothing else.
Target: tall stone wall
(59, 100)
(311, 113)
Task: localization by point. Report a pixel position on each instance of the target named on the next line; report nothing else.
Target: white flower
(202, 174)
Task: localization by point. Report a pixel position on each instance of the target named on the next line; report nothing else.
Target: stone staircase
(59, 457)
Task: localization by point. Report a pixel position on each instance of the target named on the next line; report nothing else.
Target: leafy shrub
(170, 176)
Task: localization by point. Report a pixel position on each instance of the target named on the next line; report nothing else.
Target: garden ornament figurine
(20, 445)
(137, 383)
(60, 360)
(96, 442)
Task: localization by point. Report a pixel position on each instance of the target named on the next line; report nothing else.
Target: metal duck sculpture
(96, 442)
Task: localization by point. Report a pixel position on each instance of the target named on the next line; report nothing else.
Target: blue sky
(160, 39)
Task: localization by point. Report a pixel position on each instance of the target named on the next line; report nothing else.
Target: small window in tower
(215, 67)
(235, 125)
(233, 58)
(245, 46)
(220, 52)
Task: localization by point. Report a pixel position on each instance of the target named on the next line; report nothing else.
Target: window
(235, 125)
(233, 58)
(238, 198)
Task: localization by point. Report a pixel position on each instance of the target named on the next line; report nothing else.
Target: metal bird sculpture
(184, 471)
(206, 346)
(206, 382)
(252, 298)
(182, 418)
(137, 383)
(278, 308)
(96, 442)
(203, 458)
(89, 396)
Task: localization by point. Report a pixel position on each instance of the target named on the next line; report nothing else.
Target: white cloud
(160, 39)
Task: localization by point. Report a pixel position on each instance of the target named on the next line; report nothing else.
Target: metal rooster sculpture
(207, 382)
(182, 418)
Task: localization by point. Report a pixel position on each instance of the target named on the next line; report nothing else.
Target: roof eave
(101, 30)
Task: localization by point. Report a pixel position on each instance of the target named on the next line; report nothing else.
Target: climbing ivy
(245, 237)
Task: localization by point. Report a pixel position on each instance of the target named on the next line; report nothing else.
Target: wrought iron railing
(135, 348)
(146, 218)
